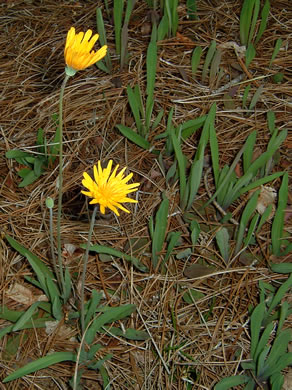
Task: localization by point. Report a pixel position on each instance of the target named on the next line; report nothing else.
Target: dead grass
(182, 345)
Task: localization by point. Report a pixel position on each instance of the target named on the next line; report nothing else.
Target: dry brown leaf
(24, 295)
(197, 270)
(268, 195)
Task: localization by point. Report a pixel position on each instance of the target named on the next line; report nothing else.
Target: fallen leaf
(24, 295)
(198, 270)
(267, 196)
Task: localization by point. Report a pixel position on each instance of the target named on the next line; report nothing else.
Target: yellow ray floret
(78, 50)
(109, 189)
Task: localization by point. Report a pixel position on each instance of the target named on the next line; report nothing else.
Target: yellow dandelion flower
(78, 51)
(109, 189)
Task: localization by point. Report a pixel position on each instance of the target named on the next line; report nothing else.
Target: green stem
(52, 246)
(61, 274)
(85, 267)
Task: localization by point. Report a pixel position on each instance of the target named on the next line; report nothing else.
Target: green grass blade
(245, 20)
(278, 222)
(195, 232)
(254, 19)
(263, 341)
(116, 253)
(181, 164)
(124, 37)
(162, 28)
(30, 178)
(197, 166)
(151, 64)
(209, 56)
(251, 229)
(272, 147)
(214, 154)
(159, 231)
(196, 57)
(230, 382)
(245, 95)
(276, 49)
(57, 308)
(264, 21)
(149, 110)
(222, 239)
(102, 38)
(278, 349)
(175, 236)
(93, 304)
(284, 361)
(277, 381)
(189, 127)
(134, 104)
(261, 360)
(134, 137)
(256, 320)
(44, 362)
(157, 120)
(174, 16)
(250, 54)
(256, 97)
(264, 217)
(111, 315)
(194, 181)
(271, 118)
(192, 9)
(26, 316)
(10, 315)
(247, 212)
(223, 185)
(214, 68)
(282, 268)
(260, 182)
(283, 315)
(249, 150)
(118, 15)
(280, 294)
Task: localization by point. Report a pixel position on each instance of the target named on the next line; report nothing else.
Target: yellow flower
(109, 189)
(78, 53)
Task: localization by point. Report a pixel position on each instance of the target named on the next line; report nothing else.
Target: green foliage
(39, 313)
(228, 186)
(250, 54)
(268, 350)
(277, 48)
(192, 9)
(210, 54)
(159, 231)
(36, 162)
(246, 214)
(107, 66)
(278, 222)
(248, 20)
(41, 363)
(222, 239)
(143, 115)
(113, 252)
(189, 185)
(196, 56)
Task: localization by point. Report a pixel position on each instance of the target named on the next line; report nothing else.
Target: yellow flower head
(78, 53)
(109, 189)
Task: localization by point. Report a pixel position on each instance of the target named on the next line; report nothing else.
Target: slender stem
(61, 274)
(85, 261)
(52, 246)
